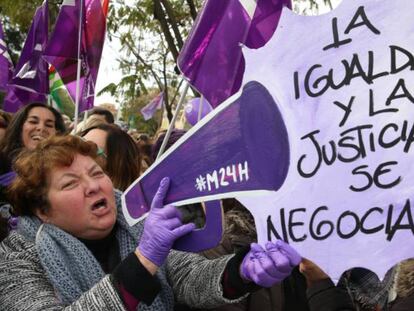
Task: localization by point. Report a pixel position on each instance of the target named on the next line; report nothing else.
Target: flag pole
(78, 70)
(163, 111)
(171, 126)
(182, 118)
(200, 108)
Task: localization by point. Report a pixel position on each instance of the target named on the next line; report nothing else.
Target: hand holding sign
(267, 267)
(162, 227)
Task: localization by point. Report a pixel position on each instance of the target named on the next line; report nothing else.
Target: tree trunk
(193, 10)
(159, 15)
(173, 23)
(167, 102)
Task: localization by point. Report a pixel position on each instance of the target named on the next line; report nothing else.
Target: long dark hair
(123, 158)
(13, 143)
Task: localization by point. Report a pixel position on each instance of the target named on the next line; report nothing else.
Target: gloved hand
(281, 247)
(162, 227)
(271, 266)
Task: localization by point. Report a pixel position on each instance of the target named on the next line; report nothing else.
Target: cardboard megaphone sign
(242, 146)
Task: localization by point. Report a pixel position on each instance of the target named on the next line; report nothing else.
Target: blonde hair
(92, 121)
(405, 278)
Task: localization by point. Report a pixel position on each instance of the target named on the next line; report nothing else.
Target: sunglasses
(100, 152)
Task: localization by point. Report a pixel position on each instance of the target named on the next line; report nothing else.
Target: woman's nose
(91, 185)
(41, 127)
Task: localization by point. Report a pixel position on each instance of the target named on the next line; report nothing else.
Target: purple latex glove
(13, 222)
(279, 248)
(162, 227)
(271, 266)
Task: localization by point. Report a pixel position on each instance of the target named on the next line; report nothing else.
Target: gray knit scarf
(70, 266)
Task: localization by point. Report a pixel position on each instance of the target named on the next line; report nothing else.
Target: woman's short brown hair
(28, 192)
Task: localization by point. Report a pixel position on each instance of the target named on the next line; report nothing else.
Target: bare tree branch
(159, 15)
(193, 10)
(173, 23)
(149, 67)
(167, 103)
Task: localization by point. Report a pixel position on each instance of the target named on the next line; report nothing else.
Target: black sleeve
(233, 284)
(132, 276)
(325, 296)
(402, 304)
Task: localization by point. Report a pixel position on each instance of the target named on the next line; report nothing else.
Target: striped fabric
(24, 286)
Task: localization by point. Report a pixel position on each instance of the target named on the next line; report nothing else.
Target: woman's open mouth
(100, 207)
(37, 138)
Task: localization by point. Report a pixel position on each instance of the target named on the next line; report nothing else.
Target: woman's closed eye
(69, 184)
(50, 125)
(97, 173)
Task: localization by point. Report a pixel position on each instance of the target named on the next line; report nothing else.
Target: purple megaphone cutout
(242, 147)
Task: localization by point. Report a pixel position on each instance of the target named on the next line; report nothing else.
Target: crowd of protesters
(66, 245)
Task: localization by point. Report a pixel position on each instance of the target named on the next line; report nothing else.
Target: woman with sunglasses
(120, 155)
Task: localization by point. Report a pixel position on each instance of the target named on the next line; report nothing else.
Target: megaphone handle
(205, 238)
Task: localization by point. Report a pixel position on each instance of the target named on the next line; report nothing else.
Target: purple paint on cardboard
(206, 238)
(251, 154)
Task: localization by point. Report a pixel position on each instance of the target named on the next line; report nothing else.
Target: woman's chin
(96, 234)
(101, 229)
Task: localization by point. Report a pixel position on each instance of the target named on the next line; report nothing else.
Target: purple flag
(6, 64)
(212, 58)
(149, 109)
(17, 97)
(30, 81)
(62, 50)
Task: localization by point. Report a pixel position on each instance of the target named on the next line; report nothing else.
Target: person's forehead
(41, 112)
(96, 134)
(98, 116)
(79, 164)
